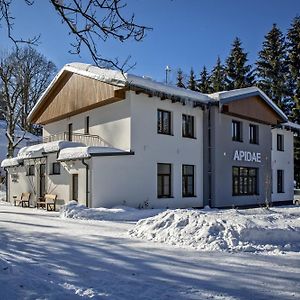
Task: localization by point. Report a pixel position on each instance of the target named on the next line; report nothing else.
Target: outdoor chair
(23, 200)
(48, 202)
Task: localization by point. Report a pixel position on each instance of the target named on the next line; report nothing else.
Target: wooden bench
(48, 202)
(23, 200)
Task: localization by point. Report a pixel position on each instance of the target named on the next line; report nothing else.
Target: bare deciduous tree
(24, 75)
(90, 22)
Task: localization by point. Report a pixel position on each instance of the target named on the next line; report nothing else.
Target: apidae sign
(241, 155)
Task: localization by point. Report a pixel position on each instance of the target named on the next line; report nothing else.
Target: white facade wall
(60, 184)
(283, 160)
(18, 183)
(132, 180)
(110, 122)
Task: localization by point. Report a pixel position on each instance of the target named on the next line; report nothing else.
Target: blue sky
(185, 34)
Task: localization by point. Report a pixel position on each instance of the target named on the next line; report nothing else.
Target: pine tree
(293, 44)
(192, 85)
(204, 85)
(272, 67)
(218, 77)
(180, 79)
(238, 74)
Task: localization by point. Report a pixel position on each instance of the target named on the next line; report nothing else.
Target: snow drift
(276, 229)
(74, 210)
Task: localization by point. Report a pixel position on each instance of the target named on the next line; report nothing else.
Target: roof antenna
(168, 70)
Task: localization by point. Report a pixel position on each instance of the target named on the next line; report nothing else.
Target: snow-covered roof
(40, 149)
(10, 162)
(120, 79)
(87, 152)
(292, 125)
(229, 96)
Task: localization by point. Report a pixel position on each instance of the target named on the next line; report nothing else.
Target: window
(188, 183)
(244, 181)
(253, 134)
(163, 122)
(164, 180)
(55, 168)
(70, 132)
(280, 181)
(237, 131)
(188, 126)
(30, 170)
(87, 125)
(280, 142)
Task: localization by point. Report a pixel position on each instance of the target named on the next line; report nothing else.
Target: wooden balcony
(87, 139)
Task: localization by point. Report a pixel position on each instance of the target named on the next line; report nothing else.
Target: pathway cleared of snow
(43, 256)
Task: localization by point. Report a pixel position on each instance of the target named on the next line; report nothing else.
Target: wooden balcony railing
(87, 139)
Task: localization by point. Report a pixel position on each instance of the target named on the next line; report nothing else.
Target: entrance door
(42, 180)
(75, 187)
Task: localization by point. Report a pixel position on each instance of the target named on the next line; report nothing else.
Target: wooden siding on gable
(74, 94)
(253, 108)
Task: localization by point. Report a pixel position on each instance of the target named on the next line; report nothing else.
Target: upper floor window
(280, 142)
(188, 181)
(188, 126)
(164, 187)
(87, 125)
(253, 134)
(163, 122)
(70, 131)
(237, 131)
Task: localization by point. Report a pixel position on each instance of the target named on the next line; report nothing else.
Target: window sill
(238, 141)
(165, 197)
(170, 134)
(54, 174)
(191, 196)
(190, 137)
(254, 143)
(241, 195)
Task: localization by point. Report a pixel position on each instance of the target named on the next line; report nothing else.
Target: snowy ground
(43, 256)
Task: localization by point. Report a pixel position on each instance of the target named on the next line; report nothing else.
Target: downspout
(6, 184)
(86, 182)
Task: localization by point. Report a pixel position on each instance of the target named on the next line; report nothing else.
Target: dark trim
(112, 154)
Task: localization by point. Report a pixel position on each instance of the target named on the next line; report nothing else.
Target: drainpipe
(6, 184)
(86, 182)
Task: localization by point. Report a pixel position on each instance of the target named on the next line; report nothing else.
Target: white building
(117, 139)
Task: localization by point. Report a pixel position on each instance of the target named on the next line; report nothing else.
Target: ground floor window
(188, 181)
(55, 168)
(280, 181)
(30, 170)
(164, 187)
(244, 181)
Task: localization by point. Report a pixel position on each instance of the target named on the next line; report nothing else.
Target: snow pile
(85, 152)
(277, 229)
(10, 162)
(74, 210)
(39, 149)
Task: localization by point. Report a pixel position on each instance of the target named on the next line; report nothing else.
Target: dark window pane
(244, 181)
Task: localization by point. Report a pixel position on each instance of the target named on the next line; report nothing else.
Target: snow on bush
(121, 213)
(276, 229)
